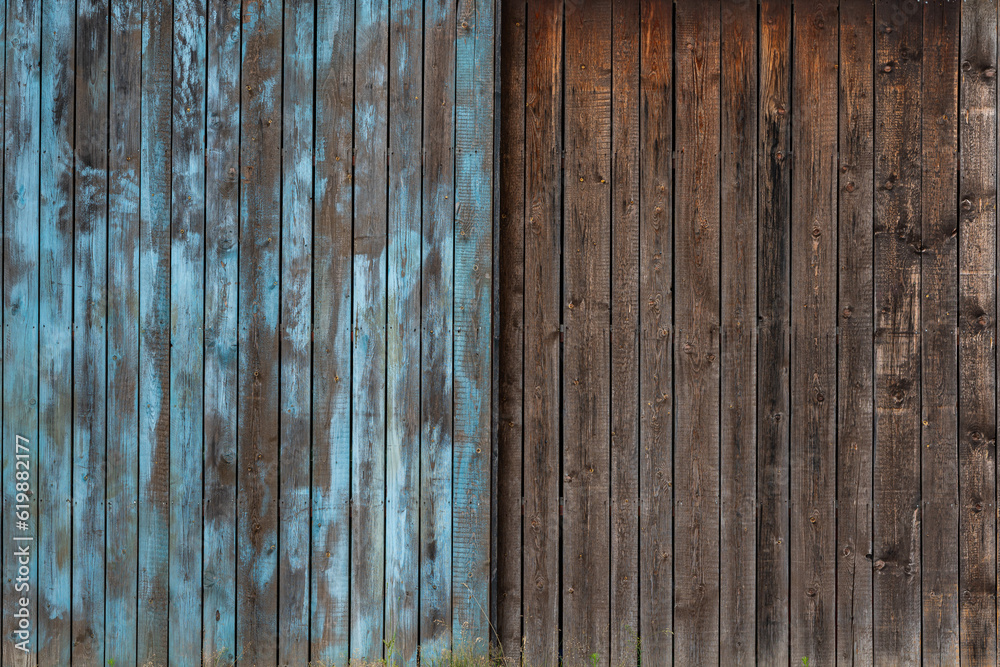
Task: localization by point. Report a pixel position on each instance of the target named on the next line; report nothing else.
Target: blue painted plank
(20, 327)
(56, 320)
(296, 334)
(187, 297)
(257, 417)
(123, 334)
(402, 532)
(154, 341)
(332, 271)
(473, 326)
(369, 360)
(90, 330)
(436, 333)
(221, 284)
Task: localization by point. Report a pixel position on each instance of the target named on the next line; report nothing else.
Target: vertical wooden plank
(259, 296)
(55, 465)
(774, 334)
(296, 333)
(696, 313)
(222, 136)
(896, 585)
(656, 332)
(939, 344)
(402, 532)
(187, 309)
(369, 360)
(332, 299)
(977, 332)
(437, 333)
(154, 333)
(812, 587)
(21, 229)
(855, 383)
(90, 330)
(586, 379)
(738, 223)
(542, 260)
(121, 574)
(474, 127)
(624, 380)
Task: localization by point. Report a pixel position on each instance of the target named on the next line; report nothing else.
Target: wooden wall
(748, 317)
(247, 277)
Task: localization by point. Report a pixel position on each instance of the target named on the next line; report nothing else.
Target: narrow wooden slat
(332, 302)
(21, 237)
(402, 531)
(121, 576)
(738, 212)
(55, 465)
(90, 331)
(624, 340)
(812, 586)
(854, 370)
(896, 554)
(369, 330)
(542, 252)
(696, 318)
(296, 333)
(656, 390)
(221, 281)
(187, 309)
(774, 335)
(977, 333)
(154, 333)
(939, 345)
(259, 296)
(437, 331)
(473, 392)
(586, 378)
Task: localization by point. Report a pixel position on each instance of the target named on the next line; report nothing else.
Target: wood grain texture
(542, 318)
(332, 292)
(774, 336)
(437, 331)
(855, 382)
(624, 341)
(896, 586)
(696, 344)
(656, 388)
(738, 432)
(977, 332)
(187, 338)
(812, 586)
(222, 205)
(939, 344)
(295, 331)
(55, 357)
(21, 246)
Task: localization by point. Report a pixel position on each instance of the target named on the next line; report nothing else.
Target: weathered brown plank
(977, 332)
(542, 253)
(625, 336)
(773, 354)
(738, 211)
(656, 388)
(854, 371)
(812, 586)
(896, 585)
(586, 377)
(696, 318)
(939, 348)
(510, 262)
